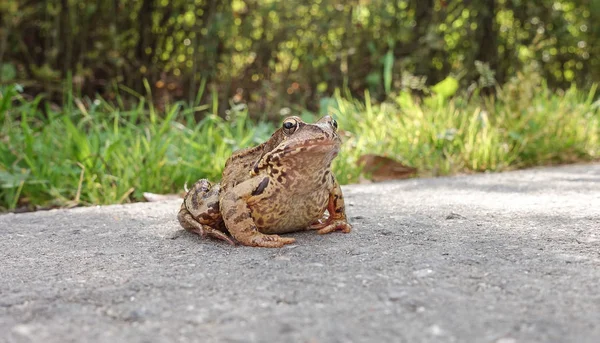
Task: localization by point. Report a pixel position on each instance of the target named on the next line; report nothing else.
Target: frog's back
(240, 164)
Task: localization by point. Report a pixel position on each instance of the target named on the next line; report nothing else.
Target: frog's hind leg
(238, 216)
(188, 222)
(200, 213)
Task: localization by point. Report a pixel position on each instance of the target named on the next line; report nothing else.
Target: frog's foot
(204, 231)
(191, 225)
(318, 224)
(258, 239)
(330, 226)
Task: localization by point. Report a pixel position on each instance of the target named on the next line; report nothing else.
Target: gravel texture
(504, 258)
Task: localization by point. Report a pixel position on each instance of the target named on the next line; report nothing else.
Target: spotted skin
(283, 185)
(200, 212)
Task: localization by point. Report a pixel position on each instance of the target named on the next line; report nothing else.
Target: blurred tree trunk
(487, 36)
(4, 32)
(66, 36)
(423, 15)
(144, 31)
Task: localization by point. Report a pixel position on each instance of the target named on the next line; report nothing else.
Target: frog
(281, 186)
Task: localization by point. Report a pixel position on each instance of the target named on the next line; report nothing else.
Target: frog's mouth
(323, 146)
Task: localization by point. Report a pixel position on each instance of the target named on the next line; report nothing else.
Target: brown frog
(283, 185)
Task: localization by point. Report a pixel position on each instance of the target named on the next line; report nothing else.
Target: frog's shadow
(190, 236)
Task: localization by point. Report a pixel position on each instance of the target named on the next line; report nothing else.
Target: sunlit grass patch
(441, 137)
(93, 153)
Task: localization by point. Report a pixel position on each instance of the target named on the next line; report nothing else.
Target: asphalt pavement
(503, 258)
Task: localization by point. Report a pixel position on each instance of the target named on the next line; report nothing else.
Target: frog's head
(301, 146)
(318, 139)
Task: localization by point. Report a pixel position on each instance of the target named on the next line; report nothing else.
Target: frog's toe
(205, 230)
(208, 231)
(337, 225)
(270, 241)
(318, 224)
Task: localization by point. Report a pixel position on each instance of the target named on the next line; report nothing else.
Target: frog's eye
(290, 126)
(334, 124)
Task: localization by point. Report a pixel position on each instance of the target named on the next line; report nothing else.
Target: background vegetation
(101, 100)
(278, 53)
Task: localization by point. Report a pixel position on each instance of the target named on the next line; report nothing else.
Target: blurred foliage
(272, 54)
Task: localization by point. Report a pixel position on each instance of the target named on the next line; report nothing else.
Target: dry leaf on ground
(381, 168)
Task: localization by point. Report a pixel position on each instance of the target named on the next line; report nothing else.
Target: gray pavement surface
(504, 258)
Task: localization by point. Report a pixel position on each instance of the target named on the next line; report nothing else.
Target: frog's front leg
(337, 214)
(238, 217)
(200, 213)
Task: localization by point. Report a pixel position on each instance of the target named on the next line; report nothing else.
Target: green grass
(93, 152)
(441, 137)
